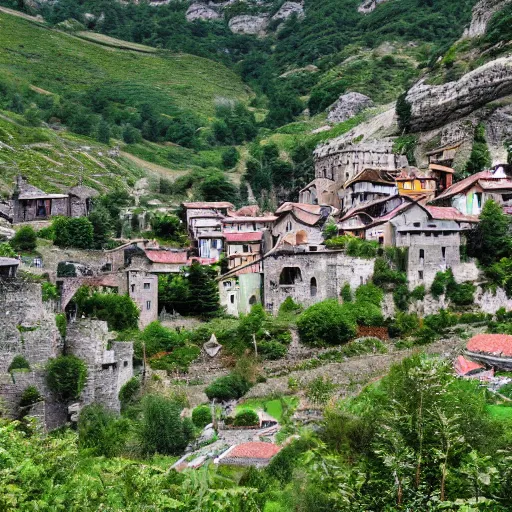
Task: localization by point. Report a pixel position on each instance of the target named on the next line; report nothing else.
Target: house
(243, 248)
(412, 182)
(367, 186)
(492, 350)
(31, 203)
(240, 290)
(206, 216)
(210, 244)
(243, 224)
(80, 200)
(8, 267)
(143, 290)
(256, 454)
(322, 191)
(444, 155)
(470, 194)
(471, 370)
(443, 176)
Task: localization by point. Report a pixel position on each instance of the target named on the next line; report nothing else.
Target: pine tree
(204, 291)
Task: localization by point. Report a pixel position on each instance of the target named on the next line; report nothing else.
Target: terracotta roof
(309, 208)
(462, 185)
(254, 450)
(498, 344)
(449, 213)
(207, 205)
(502, 184)
(177, 258)
(464, 366)
(236, 220)
(248, 236)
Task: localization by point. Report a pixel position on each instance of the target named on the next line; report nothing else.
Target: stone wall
(143, 290)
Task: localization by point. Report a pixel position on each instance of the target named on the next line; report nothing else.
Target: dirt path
(33, 19)
(172, 174)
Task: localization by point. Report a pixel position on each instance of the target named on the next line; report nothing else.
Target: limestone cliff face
(287, 10)
(482, 13)
(347, 106)
(435, 105)
(245, 24)
(198, 11)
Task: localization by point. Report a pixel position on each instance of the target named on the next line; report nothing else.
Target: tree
(166, 226)
(103, 132)
(101, 226)
(217, 187)
(73, 232)
(162, 430)
(119, 311)
(25, 239)
(204, 291)
(230, 157)
(490, 240)
(480, 158)
(66, 377)
(131, 135)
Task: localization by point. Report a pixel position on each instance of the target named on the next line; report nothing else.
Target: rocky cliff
(435, 105)
(482, 13)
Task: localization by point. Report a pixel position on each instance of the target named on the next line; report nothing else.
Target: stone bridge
(69, 285)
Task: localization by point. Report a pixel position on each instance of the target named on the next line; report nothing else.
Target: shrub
(325, 323)
(246, 418)
(129, 392)
(320, 390)
(46, 233)
(162, 430)
(102, 431)
(229, 387)
(401, 297)
(346, 293)
(66, 269)
(385, 277)
(418, 293)
(202, 416)
(363, 313)
(462, 294)
(230, 158)
(438, 285)
(62, 324)
(119, 311)
(425, 335)
(49, 291)
(438, 323)
(30, 396)
(406, 323)
(66, 376)
(289, 306)
(271, 350)
(179, 359)
(18, 363)
(6, 250)
(370, 293)
(73, 232)
(25, 239)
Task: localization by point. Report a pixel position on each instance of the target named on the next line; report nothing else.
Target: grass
(274, 407)
(500, 412)
(58, 62)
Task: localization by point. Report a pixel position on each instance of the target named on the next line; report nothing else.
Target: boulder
(369, 5)
(287, 10)
(347, 106)
(201, 12)
(251, 25)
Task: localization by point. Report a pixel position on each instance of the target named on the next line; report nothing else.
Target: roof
(83, 192)
(236, 220)
(497, 344)
(462, 185)
(201, 261)
(464, 366)
(210, 234)
(162, 256)
(255, 450)
(442, 168)
(8, 262)
(250, 210)
(310, 208)
(209, 205)
(449, 213)
(412, 173)
(495, 184)
(248, 236)
(384, 176)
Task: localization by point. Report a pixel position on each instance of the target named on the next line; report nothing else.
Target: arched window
(252, 300)
(313, 287)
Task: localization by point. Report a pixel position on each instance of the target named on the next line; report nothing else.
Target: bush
(346, 293)
(49, 291)
(66, 269)
(6, 250)
(438, 323)
(229, 387)
(363, 313)
(230, 158)
(102, 431)
(246, 418)
(179, 359)
(325, 323)
(438, 285)
(66, 376)
(385, 277)
(162, 430)
(370, 293)
(320, 390)
(18, 363)
(271, 350)
(30, 396)
(202, 416)
(289, 306)
(418, 293)
(25, 239)
(62, 324)
(119, 311)
(73, 232)
(401, 297)
(129, 392)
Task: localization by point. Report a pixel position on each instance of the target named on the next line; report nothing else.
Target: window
(443, 252)
(313, 287)
(232, 299)
(422, 254)
(147, 286)
(313, 248)
(420, 275)
(108, 267)
(252, 300)
(227, 284)
(125, 364)
(132, 286)
(290, 276)
(423, 184)
(416, 224)
(148, 305)
(407, 185)
(245, 248)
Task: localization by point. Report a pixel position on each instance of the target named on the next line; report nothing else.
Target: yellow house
(413, 182)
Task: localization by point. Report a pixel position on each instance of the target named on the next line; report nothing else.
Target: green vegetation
(29, 397)
(277, 407)
(73, 232)
(25, 239)
(66, 376)
(129, 393)
(480, 158)
(202, 416)
(18, 363)
(229, 387)
(246, 418)
(49, 291)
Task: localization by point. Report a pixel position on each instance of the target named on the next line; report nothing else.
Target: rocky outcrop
(435, 105)
(369, 5)
(482, 13)
(347, 106)
(498, 129)
(251, 25)
(287, 10)
(201, 12)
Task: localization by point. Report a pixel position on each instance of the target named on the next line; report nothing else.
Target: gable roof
(241, 220)
(449, 213)
(386, 177)
(496, 344)
(205, 205)
(464, 366)
(309, 208)
(462, 185)
(83, 192)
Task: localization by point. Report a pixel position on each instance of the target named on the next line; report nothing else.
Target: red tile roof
(310, 208)
(462, 185)
(500, 184)
(497, 344)
(236, 220)
(248, 236)
(464, 366)
(254, 450)
(449, 213)
(207, 205)
(178, 258)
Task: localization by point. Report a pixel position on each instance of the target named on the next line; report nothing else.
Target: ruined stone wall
(329, 270)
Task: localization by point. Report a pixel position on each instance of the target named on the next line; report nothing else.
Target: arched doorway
(313, 287)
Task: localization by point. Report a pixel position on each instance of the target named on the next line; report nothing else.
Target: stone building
(8, 267)
(80, 200)
(143, 290)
